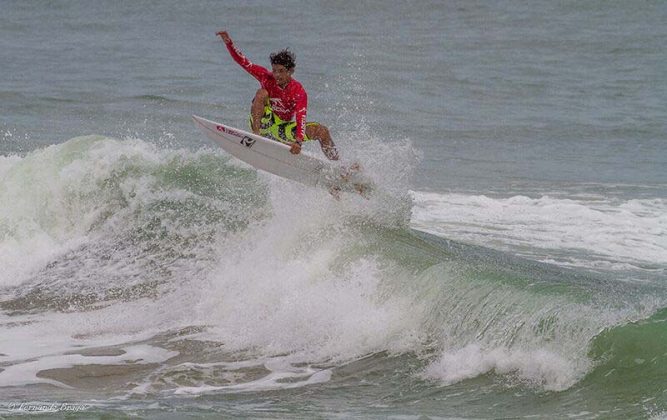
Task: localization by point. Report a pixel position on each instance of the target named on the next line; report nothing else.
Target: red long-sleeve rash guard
(285, 102)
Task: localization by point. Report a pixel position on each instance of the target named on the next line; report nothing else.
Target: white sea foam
(594, 234)
(25, 373)
(540, 368)
(281, 375)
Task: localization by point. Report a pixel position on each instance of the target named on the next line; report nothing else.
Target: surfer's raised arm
(258, 72)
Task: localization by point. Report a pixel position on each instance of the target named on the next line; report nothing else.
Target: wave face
(186, 275)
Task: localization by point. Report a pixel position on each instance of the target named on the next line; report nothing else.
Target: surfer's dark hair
(284, 57)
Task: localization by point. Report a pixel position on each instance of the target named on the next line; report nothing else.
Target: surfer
(279, 98)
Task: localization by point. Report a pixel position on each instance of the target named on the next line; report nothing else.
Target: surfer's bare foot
(330, 152)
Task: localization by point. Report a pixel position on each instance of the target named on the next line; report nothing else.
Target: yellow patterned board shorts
(273, 127)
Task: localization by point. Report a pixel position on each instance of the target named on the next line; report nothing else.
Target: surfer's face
(282, 74)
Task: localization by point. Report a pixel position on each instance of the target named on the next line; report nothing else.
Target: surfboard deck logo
(247, 141)
(275, 157)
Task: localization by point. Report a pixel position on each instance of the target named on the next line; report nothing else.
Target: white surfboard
(275, 157)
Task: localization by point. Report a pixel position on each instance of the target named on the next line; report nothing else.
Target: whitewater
(190, 274)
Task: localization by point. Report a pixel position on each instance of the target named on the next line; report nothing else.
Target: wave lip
(539, 368)
(94, 190)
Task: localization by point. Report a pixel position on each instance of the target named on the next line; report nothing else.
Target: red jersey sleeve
(301, 111)
(258, 72)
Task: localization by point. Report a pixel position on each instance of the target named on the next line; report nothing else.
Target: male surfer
(277, 101)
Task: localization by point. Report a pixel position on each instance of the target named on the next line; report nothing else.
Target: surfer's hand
(225, 36)
(295, 148)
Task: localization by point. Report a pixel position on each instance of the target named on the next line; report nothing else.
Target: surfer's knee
(262, 96)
